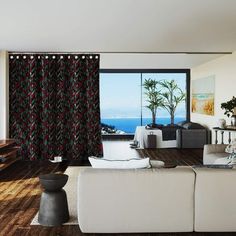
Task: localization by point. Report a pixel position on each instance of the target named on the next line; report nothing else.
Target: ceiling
(118, 25)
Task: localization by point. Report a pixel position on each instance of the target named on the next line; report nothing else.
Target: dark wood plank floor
(20, 193)
(185, 157)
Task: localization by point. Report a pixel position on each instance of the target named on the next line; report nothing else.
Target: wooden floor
(20, 193)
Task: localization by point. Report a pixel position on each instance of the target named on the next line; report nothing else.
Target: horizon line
(138, 117)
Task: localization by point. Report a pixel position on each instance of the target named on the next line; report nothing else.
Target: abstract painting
(203, 95)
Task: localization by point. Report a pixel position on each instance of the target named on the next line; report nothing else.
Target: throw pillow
(157, 164)
(181, 123)
(192, 125)
(119, 164)
(231, 148)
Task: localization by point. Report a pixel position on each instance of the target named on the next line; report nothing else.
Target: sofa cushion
(181, 123)
(119, 164)
(192, 125)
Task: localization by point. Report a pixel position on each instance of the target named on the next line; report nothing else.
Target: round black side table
(53, 209)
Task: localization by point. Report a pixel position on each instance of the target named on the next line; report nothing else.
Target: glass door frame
(141, 71)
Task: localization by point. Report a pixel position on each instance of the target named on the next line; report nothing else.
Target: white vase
(222, 123)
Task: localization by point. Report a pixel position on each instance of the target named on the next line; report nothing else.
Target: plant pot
(233, 120)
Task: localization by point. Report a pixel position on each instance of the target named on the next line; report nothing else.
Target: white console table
(222, 132)
(141, 136)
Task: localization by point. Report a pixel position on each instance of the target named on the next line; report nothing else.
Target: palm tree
(154, 97)
(171, 97)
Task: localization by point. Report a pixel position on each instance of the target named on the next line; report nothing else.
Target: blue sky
(120, 94)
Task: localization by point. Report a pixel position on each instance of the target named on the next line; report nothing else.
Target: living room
(117, 117)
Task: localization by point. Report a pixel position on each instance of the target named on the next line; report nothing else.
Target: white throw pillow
(157, 164)
(119, 164)
(231, 147)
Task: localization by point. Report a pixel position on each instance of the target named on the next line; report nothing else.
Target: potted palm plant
(230, 109)
(154, 98)
(172, 96)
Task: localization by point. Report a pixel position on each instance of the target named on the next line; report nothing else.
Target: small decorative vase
(221, 123)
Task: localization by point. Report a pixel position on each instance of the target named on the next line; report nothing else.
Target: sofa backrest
(144, 200)
(215, 195)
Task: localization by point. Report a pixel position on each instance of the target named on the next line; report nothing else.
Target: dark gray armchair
(192, 135)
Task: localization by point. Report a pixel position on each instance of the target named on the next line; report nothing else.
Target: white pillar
(4, 95)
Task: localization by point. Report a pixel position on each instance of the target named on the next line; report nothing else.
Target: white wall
(153, 61)
(224, 69)
(4, 97)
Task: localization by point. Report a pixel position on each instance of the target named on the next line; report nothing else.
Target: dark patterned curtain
(54, 105)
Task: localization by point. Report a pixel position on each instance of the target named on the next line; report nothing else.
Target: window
(123, 100)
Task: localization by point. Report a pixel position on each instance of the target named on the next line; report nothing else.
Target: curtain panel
(54, 105)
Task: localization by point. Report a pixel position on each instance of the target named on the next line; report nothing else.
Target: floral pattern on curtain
(54, 105)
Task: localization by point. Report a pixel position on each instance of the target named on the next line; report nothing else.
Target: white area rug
(71, 192)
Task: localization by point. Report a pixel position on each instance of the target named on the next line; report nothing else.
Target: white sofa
(212, 152)
(181, 199)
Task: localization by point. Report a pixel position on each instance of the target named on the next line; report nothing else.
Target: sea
(128, 125)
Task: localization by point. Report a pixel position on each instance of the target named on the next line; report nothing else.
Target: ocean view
(128, 125)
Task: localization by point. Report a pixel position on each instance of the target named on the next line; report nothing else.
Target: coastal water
(128, 125)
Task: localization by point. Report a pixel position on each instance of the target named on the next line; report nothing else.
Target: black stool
(53, 209)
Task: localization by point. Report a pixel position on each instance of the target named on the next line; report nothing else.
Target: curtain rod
(100, 52)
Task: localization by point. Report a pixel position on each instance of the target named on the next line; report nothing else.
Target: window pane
(163, 117)
(120, 101)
